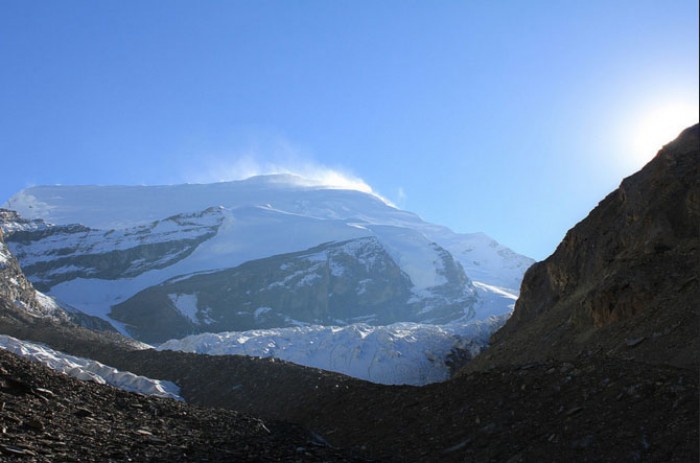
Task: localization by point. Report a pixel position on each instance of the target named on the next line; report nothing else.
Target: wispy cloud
(400, 197)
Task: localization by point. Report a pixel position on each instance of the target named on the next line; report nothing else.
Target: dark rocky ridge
(15, 288)
(624, 281)
(272, 292)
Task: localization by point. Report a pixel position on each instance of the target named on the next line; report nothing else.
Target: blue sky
(513, 118)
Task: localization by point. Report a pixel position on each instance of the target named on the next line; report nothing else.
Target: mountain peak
(122, 206)
(130, 240)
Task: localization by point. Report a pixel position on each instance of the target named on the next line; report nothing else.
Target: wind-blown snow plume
(305, 172)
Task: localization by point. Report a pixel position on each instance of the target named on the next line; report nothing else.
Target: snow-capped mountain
(267, 252)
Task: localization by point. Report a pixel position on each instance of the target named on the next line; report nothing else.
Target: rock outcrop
(15, 288)
(19, 298)
(624, 281)
(334, 283)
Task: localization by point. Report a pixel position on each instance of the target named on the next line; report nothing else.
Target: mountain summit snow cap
(322, 179)
(122, 206)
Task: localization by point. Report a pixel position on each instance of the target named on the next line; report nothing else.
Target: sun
(659, 126)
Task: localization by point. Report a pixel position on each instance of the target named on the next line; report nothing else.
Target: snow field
(90, 370)
(402, 353)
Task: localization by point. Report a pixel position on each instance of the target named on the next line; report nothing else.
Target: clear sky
(509, 117)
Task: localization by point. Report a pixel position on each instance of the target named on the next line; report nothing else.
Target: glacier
(90, 370)
(401, 353)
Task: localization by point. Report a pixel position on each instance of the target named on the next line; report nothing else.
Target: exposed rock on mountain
(335, 283)
(28, 314)
(624, 281)
(47, 416)
(20, 298)
(403, 353)
(15, 288)
(52, 254)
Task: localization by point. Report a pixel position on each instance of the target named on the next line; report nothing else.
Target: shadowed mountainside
(625, 281)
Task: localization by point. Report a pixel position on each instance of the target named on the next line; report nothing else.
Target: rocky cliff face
(52, 254)
(624, 281)
(189, 273)
(334, 283)
(19, 298)
(16, 290)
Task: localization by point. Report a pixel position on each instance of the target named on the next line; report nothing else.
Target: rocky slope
(625, 281)
(15, 288)
(593, 408)
(50, 417)
(23, 299)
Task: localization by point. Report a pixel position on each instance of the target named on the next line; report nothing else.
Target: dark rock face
(339, 282)
(334, 283)
(624, 280)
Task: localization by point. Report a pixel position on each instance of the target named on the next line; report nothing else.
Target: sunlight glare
(660, 126)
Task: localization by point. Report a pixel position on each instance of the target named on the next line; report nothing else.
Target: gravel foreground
(50, 417)
(591, 408)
